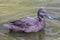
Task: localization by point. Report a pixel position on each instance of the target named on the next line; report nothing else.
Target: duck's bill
(52, 17)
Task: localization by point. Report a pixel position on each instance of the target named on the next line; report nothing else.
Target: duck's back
(29, 20)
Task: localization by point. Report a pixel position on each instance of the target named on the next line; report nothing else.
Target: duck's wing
(17, 22)
(26, 21)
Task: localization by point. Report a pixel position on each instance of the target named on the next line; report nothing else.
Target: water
(15, 9)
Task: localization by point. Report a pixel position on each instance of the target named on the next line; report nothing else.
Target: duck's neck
(40, 18)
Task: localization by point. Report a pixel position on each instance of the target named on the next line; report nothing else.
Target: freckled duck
(29, 24)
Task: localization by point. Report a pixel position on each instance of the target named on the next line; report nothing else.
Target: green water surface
(15, 9)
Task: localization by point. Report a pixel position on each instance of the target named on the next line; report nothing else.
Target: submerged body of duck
(28, 24)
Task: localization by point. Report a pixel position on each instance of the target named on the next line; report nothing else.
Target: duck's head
(42, 13)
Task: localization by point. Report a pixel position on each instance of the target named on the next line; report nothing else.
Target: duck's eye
(43, 12)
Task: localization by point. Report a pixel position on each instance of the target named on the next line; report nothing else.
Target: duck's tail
(12, 27)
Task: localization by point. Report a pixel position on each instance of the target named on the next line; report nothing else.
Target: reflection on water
(28, 36)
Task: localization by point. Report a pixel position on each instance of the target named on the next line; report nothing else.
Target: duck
(29, 24)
